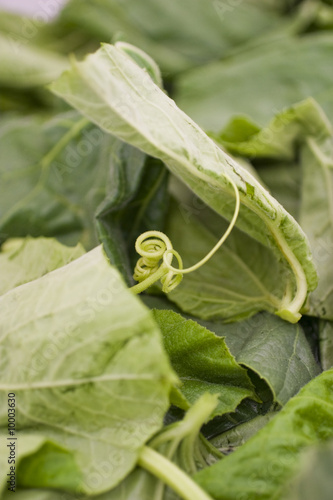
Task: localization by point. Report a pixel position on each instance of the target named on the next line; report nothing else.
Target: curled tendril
(155, 246)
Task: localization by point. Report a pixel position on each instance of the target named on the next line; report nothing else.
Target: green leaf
(115, 93)
(284, 181)
(316, 218)
(137, 202)
(262, 467)
(38, 462)
(242, 278)
(274, 349)
(96, 381)
(237, 436)
(26, 65)
(315, 477)
(37, 495)
(211, 29)
(280, 138)
(203, 363)
(302, 131)
(55, 173)
(179, 442)
(51, 466)
(277, 353)
(275, 75)
(24, 260)
(326, 344)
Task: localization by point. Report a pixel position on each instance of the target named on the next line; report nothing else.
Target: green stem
(173, 476)
(143, 285)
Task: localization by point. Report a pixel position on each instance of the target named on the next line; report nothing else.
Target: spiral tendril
(155, 246)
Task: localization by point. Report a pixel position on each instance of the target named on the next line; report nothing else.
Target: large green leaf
(262, 467)
(55, 173)
(211, 29)
(180, 442)
(303, 136)
(259, 82)
(23, 260)
(276, 351)
(97, 379)
(203, 363)
(115, 93)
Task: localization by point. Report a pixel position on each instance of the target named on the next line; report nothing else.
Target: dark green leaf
(203, 364)
(262, 467)
(137, 202)
(55, 173)
(237, 436)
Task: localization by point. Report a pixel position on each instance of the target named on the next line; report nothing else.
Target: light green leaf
(326, 344)
(262, 467)
(55, 173)
(24, 260)
(259, 82)
(27, 65)
(315, 478)
(34, 445)
(97, 380)
(37, 495)
(115, 93)
(280, 138)
(203, 363)
(241, 279)
(182, 443)
(303, 132)
(274, 148)
(51, 466)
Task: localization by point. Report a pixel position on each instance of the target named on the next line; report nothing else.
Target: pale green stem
(173, 476)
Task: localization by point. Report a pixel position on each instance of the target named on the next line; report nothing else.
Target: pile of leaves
(223, 388)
